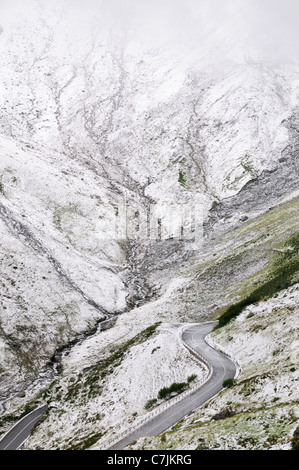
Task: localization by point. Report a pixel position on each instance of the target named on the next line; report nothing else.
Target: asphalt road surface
(223, 368)
(21, 431)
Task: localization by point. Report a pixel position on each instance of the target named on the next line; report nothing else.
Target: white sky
(264, 30)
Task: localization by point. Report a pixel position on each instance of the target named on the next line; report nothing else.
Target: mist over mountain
(153, 103)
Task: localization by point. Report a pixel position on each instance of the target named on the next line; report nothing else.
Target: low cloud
(208, 30)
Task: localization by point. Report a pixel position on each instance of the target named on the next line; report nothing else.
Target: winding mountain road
(223, 368)
(16, 437)
(193, 336)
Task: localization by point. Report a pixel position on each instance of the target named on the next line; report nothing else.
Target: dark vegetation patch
(165, 392)
(182, 178)
(228, 383)
(226, 413)
(87, 442)
(282, 276)
(150, 403)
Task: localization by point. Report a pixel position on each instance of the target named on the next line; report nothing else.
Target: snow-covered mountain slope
(100, 373)
(152, 106)
(140, 119)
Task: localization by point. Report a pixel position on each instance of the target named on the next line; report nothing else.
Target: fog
(208, 30)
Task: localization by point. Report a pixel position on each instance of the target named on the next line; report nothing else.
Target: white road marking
(22, 430)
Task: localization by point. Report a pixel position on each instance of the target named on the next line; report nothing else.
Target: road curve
(18, 434)
(222, 368)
